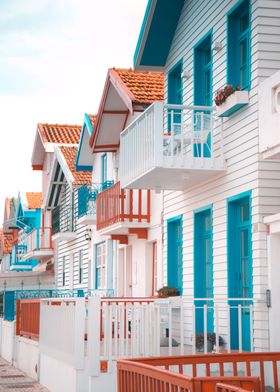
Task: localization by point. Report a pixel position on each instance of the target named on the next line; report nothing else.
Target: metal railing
(87, 197)
(171, 136)
(118, 205)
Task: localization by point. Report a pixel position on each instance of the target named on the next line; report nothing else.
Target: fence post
(94, 308)
(79, 333)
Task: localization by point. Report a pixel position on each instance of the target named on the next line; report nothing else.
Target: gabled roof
(69, 154)
(59, 133)
(144, 88)
(49, 135)
(157, 32)
(84, 157)
(125, 93)
(34, 200)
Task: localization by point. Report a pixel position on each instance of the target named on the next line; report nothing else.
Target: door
(203, 269)
(121, 274)
(174, 250)
(203, 92)
(240, 270)
(128, 271)
(175, 97)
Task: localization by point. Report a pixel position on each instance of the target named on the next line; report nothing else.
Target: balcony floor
(177, 179)
(122, 228)
(39, 254)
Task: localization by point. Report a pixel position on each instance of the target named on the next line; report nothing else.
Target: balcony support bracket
(141, 233)
(122, 238)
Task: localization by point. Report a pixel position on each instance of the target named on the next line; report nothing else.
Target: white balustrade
(171, 136)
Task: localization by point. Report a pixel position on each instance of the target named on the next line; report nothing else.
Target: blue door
(174, 251)
(203, 268)
(175, 97)
(203, 90)
(240, 269)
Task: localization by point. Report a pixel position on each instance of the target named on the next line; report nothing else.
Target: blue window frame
(239, 46)
(104, 169)
(175, 95)
(203, 267)
(174, 253)
(240, 281)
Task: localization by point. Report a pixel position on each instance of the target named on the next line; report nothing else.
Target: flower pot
(233, 103)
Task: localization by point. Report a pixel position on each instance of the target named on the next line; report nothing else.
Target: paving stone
(14, 380)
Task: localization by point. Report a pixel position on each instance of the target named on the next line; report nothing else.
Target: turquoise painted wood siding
(245, 168)
(175, 236)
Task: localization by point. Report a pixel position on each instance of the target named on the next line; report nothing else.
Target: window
(80, 266)
(239, 46)
(104, 168)
(63, 271)
(203, 72)
(101, 266)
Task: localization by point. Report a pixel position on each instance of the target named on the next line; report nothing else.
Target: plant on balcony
(222, 94)
(211, 341)
(167, 291)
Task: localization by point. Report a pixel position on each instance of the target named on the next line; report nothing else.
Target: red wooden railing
(138, 377)
(118, 205)
(28, 318)
(163, 369)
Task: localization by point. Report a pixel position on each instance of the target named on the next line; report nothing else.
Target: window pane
(244, 212)
(244, 22)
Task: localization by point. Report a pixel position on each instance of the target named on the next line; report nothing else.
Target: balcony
(87, 202)
(122, 211)
(39, 244)
(63, 224)
(18, 259)
(171, 147)
(269, 117)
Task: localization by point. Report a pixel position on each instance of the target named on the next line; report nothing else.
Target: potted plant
(211, 341)
(167, 291)
(229, 99)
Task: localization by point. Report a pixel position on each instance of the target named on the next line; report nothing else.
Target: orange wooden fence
(252, 363)
(28, 318)
(118, 205)
(139, 377)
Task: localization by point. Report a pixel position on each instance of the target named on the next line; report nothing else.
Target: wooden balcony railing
(119, 205)
(39, 239)
(28, 318)
(181, 373)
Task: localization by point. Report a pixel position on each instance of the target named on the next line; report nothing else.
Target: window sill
(234, 102)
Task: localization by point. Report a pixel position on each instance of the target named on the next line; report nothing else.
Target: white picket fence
(105, 329)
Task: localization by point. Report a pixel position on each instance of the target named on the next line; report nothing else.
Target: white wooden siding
(70, 248)
(245, 170)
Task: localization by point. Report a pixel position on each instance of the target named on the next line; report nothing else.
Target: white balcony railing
(185, 139)
(39, 243)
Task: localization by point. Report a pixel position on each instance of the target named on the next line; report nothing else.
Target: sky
(54, 56)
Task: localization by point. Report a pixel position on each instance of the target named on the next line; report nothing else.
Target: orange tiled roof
(146, 87)
(7, 242)
(34, 199)
(92, 118)
(80, 177)
(60, 134)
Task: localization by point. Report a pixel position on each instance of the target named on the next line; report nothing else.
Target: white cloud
(54, 55)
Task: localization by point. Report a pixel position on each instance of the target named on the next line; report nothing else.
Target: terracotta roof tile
(60, 134)
(34, 199)
(80, 177)
(146, 87)
(92, 118)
